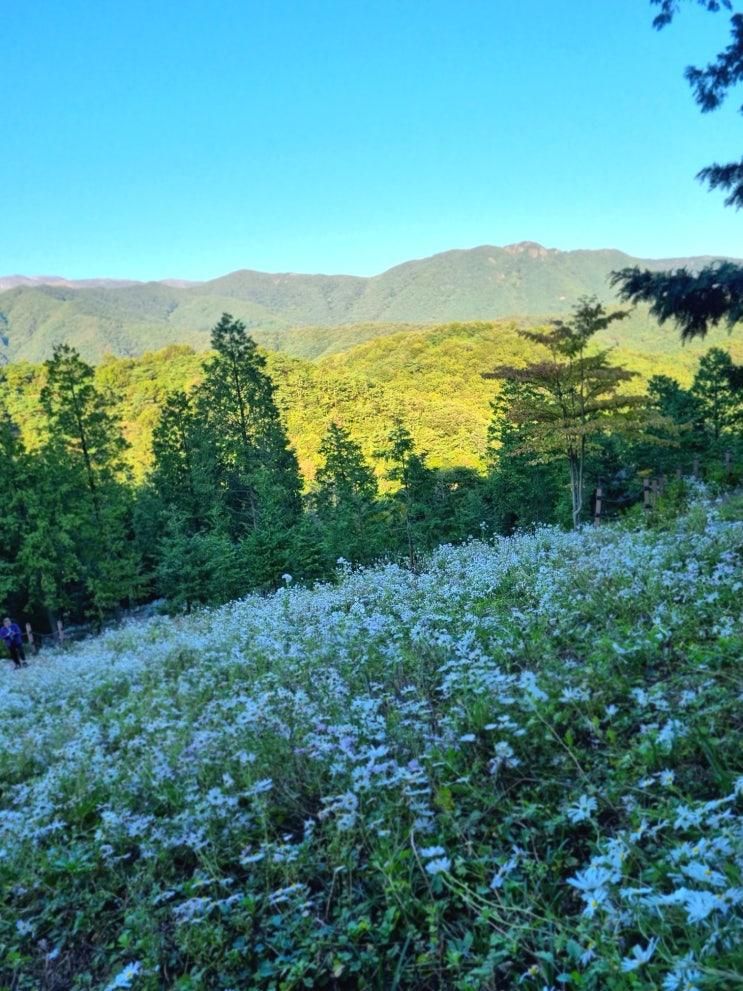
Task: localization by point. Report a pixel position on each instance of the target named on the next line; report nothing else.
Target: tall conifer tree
(85, 448)
(718, 395)
(260, 469)
(79, 420)
(414, 496)
(14, 480)
(346, 498)
(185, 472)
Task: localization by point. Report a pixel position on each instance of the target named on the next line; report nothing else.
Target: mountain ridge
(535, 248)
(287, 311)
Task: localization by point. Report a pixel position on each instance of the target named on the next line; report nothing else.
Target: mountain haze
(292, 312)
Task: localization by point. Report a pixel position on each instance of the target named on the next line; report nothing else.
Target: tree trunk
(52, 617)
(576, 488)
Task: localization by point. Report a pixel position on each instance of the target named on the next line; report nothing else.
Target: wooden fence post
(646, 494)
(656, 490)
(599, 497)
(60, 632)
(695, 469)
(30, 638)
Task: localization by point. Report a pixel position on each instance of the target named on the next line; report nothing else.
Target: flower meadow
(521, 767)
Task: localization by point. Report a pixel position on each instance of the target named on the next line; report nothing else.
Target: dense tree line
(223, 511)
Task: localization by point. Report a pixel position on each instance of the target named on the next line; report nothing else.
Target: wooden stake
(599, 496)
(30, 638)
(646, 494)
(695, 469)
(60, 632)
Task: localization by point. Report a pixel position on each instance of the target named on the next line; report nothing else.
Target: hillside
(518, 768)
(294, 313)
(430, 377)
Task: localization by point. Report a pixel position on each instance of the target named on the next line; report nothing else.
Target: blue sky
(152, 140)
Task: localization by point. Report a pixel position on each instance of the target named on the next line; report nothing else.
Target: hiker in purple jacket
(12, 637)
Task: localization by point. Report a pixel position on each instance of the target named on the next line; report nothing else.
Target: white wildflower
(438, 866)
(432, 851)
(582, 809)
(125, 977)
(639, 956)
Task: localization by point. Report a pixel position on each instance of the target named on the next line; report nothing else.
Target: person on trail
(12, 637)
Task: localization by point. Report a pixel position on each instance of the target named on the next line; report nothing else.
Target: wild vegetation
(518, 766)
(219, 507)
(446, 734)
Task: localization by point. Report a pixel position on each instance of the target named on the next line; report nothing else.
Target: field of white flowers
(521, 768)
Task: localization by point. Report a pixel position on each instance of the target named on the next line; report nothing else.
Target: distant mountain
(12, 281)
(293, 312)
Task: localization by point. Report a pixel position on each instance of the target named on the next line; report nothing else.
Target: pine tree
(678, 432)
(185, 472)
(345, 499)
(40, 525)
(344, 476)
(14, 479)
(116, 576)
(310, 553)
(196, 568)
(55, 535)
(260, 471)
(461, 506)
(718, 396)
(85, 451)
(522, 490)
(673, 401)
(697, 301)
(79, 421)
(413, 498)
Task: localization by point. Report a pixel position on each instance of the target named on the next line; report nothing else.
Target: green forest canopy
(429, 377)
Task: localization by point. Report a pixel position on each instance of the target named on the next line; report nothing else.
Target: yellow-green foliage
(429, 377)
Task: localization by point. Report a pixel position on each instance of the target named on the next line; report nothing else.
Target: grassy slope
(522, 763)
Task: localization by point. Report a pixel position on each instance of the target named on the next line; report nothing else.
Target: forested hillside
(292, 312)
(201, 477)
(429, 377)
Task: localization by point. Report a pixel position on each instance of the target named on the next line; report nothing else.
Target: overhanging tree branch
(695, 301)
(669, 8)
(698, 301)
